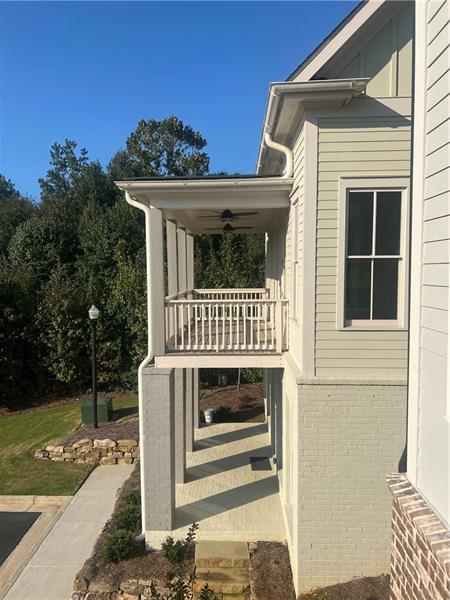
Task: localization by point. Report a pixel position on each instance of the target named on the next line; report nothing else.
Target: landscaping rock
(41, 454)
(127, 443)
(91, 452)
(105, 443)
(84, 442)
(55, 449)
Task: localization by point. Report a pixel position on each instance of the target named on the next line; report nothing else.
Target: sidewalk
(51, 571)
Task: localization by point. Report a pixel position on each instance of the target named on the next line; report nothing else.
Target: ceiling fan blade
(244, 214)
(212, 216)
(236, 228)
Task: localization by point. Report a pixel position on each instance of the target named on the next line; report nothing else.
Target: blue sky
(89, 71)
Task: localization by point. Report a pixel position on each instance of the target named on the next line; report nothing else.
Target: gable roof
(324, 42)
(347, 34)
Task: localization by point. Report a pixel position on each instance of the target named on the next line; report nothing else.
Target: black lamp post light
(93, 316)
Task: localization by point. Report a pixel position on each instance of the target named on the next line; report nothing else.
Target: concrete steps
(224, 566)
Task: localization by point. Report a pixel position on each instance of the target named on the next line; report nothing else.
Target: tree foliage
(83, 244)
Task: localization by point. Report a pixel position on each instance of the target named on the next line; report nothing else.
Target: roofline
(307, 91)
(324, 42)
(169, 184)
(338, 38)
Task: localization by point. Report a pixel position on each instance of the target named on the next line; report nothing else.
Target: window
(374, 257)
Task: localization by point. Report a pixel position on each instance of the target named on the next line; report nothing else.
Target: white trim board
(212, 360)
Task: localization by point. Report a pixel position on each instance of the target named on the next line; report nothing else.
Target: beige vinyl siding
(387, 57)
(432, 334)
(353, 147)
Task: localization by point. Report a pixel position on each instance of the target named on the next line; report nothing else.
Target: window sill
(372, 328)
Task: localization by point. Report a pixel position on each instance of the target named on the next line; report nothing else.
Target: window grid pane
(356, 297)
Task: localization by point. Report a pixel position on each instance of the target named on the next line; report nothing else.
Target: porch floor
(228, 499)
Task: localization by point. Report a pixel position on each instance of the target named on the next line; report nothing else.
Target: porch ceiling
(197, 203)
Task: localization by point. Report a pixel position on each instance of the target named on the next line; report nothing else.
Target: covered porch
(191, 327)
(204, 474)
(223, 493)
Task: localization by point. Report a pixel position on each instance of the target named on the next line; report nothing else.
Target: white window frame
(374, 184)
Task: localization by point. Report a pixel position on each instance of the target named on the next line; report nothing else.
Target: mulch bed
(245, 405)
(140, 566)
(270, 572)
(114, 431)
(366, 588)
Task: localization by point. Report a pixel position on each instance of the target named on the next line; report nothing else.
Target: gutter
(305, 91)
(148, 359)
(200, 184)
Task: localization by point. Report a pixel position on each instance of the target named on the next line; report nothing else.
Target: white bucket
(209, 416)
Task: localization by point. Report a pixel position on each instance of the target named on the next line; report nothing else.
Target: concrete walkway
(50, 573)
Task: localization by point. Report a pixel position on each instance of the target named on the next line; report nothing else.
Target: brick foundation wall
(420, 559)
(351, 435)
(104, 452)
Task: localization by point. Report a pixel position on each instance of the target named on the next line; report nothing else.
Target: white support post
(182, 279)
(172, 275)
(190, 261)
(157, 282)
(172, 259)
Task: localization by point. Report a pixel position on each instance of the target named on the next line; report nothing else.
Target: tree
(84, 244)
(160, 148)
(14, 210)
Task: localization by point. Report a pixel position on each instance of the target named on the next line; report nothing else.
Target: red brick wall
(420, 559)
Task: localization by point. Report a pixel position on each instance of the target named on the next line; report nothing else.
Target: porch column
(157, 449)
(182, 279)
(196, 398)
(190, 261)
(156, 291)
(189, 411)
(171, 240)
(180, 425)
(172, 274)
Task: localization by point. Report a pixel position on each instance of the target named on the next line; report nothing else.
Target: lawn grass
(23, 433)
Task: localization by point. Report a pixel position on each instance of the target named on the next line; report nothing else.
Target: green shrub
(172, 550)
(132, 496)
(251, 375)
(116, 546)
(128, 517)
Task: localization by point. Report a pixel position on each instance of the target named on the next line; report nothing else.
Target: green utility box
(104, 411)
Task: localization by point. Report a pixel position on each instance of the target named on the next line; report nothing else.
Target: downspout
(147, 360)
(289, 162)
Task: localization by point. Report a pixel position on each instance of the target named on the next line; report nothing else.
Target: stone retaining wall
(103, 589)
(104, 452)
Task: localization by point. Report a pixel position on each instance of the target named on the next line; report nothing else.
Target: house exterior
(421, 516)
(332, 195)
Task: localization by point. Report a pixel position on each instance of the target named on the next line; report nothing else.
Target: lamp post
(93, 316)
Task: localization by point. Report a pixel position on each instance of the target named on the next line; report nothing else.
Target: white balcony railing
(227, 320)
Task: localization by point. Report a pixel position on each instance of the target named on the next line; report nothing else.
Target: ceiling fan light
(228, 227)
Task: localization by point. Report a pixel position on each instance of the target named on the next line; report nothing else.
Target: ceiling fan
(226, 216)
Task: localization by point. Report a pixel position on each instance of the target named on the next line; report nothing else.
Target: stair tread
(225, 574)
